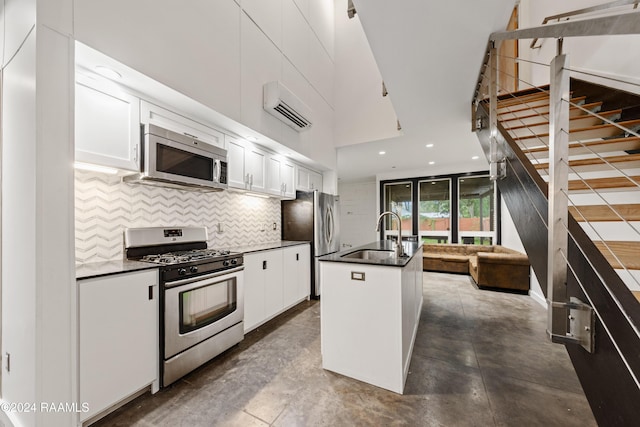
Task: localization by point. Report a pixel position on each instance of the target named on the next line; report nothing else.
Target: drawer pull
(357, 275)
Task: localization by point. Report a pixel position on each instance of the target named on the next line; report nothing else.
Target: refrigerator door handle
(329, 226)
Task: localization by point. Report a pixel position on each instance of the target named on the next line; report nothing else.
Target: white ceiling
(429, 54)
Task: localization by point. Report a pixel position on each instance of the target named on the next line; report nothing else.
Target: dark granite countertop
(410, 248)
(96, 269)
(105, 268)
(266, 246)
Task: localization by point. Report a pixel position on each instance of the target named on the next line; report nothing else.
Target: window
(434, 210)
(398, 198)
(476, 210)
(460, 208)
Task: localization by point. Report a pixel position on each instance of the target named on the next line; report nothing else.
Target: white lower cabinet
(118, 338)
(275, 280)
(297, 274)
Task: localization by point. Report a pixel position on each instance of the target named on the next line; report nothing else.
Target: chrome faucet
(399, 247)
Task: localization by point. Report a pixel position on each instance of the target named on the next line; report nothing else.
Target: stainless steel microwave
(175, 160)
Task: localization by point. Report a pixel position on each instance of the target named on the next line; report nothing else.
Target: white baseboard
(540, 299)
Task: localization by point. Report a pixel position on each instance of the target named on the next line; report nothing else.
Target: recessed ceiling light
(429, 145)
(382, 153)
(475, 157)
(432, 163)
(107, 72)
(252, 138)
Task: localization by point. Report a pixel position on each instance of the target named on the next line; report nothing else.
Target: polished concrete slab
(481, 358)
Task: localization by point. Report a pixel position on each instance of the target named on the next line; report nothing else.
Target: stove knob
(193, 269)
(182, 271)
(225, 262)
(234, 261)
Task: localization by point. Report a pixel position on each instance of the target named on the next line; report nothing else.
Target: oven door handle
(175, 283)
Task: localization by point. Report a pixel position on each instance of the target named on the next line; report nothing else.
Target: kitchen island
(370, 308)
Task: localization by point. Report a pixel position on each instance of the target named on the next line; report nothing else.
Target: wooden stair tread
(522, 99)
(604, 183)
(599, 146)
(592, 132)
(601, 213)
(582, 121)
(541, 111)
(636, 294)
(534, 104)
(597, 161)
(626, 252)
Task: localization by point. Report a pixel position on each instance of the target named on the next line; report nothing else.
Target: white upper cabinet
(255, 160)
(107, 125)
(261, 63)
(236, 176)
(280, 177)
(307, 179)
(152, 114)
(246, 166)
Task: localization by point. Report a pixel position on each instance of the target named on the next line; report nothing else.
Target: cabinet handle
(251, 182)
(150, 292)
(264, 265)
(297, 257)
(357, 275)
(189, 135)
(135, 153)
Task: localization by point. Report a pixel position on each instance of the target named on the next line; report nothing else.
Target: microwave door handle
(216, 170)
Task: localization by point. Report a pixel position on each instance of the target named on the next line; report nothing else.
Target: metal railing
(556, 145)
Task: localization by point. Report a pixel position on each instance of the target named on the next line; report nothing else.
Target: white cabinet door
(274, 179)
(107, 126)
(263, 297)
(236, 175)
(254, 291)
(280, 177)
(287, 175)
(315, 181)
(308, 180)
(255, 161)
(152, 114)
(297, 279)
(118, 337)
(273, 301)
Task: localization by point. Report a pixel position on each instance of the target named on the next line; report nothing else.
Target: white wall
(606, 56)
(358, 213)
(37, 210)
(511, 239)
(220, 53)
(362, 113)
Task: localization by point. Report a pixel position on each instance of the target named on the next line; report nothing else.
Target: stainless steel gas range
(201, 295)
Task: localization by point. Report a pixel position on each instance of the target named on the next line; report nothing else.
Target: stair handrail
(619, 24)
(584, 11)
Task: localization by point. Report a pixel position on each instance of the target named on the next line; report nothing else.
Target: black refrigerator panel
(297, 218)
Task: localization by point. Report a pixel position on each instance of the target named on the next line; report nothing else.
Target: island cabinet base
(369, 319)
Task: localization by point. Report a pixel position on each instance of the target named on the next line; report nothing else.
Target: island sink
(371, 254)
(371, 305)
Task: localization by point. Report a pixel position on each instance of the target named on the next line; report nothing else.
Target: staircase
(603, 259)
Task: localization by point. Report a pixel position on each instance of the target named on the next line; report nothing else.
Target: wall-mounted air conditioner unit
(281, 103)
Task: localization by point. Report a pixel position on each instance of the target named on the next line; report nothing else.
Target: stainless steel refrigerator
(314, 217)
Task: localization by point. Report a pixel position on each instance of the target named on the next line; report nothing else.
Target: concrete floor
(481, 358)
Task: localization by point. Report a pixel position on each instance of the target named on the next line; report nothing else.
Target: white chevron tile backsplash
(105, 206)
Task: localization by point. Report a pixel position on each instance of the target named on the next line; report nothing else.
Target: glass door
(434, 210)
(206, 304)
(398, 198)
(476, 213)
